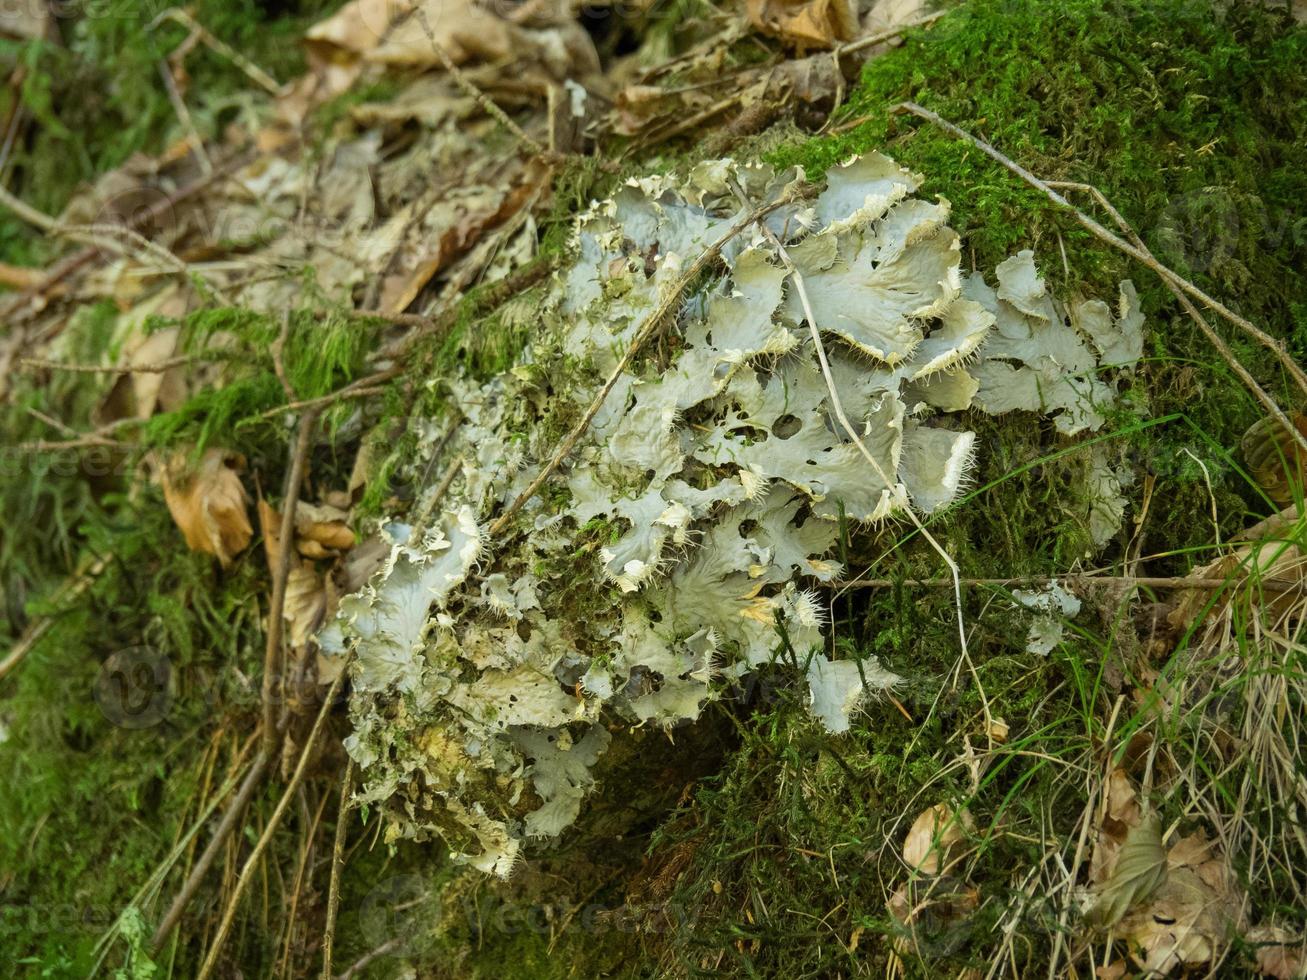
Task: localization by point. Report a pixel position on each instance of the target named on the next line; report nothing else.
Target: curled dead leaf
(932, 913)
(208, 502)
(933, 834)
(806, 23)
(1278, 952)
(270, 528)
(1140, 869)
(306, 605)
(324, 524)
(1122, 812)
(1274, 457)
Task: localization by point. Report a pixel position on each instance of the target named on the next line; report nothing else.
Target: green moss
(102, 801)
(1192, 121)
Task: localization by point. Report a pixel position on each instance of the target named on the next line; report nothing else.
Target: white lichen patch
(678, 547)
(1052, 606)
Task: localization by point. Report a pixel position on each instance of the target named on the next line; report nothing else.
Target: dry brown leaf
(313, 550)
(1278, 952)
(306, 605)
(326, 525)
(926, 910)
(139, 394)
(935, 831)
(209, 503)
(270, 528)
(1140, 869)
(395, 33)
(1175, 907)
(1277, 562)
(806, 23)
(355, 29)
(1274, 458)
(887, 15)
(25, 21)
(1122, 812)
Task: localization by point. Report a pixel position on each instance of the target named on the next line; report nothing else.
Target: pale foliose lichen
(685, 539)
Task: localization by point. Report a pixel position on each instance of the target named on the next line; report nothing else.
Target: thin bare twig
(21, 306)
(90, 441)
(337, 852)
(647, 329)
(252, 71)
(272, 654)
(71, 590)
(278, 351)
(31, 215)
(484, 101)
(895, 488)
(1116, 241)
(1154, 581)
(492, 296)
(865, 42)
(251, 862)
(224, 829)
(184, 116)
(367, 959)
(363, 388)
(157, 367)
(1212, 336)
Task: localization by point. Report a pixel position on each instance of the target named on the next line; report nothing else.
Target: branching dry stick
(337, 853)
(184, 116)
(219, 47)
(158, 367)
(230, 819)
(20, 307)
(68, 592)
(285, 549)
(31, 215)
(1116, 241)
(893, 487)
(1155, 582)
(251, 863)
(865, 42)
(469, 88)
(646, 331)
(1212, 336)
(363, 388)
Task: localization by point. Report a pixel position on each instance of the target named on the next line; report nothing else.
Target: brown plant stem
(337, 852)
(230, 819)
(272, 654)
(251, 863)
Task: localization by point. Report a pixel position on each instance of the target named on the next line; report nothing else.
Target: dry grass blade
(337, 855)
(252, 862)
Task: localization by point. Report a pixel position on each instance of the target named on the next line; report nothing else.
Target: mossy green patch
(1191, 119)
